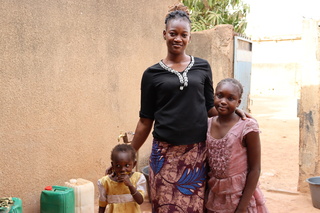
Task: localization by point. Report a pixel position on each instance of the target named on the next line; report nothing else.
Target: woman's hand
(244, 115)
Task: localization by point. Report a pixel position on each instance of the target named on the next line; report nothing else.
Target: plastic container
(57, 199)
(83, 194)
(145, 171)
(314, 184)
(17, 205)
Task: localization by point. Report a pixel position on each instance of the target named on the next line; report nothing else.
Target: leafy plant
(205, 14)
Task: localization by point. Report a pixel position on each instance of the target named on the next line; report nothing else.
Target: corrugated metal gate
(242, 68)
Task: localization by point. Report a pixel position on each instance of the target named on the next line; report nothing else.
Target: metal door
(242, 68)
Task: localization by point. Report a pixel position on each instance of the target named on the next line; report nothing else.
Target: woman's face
(177, 35)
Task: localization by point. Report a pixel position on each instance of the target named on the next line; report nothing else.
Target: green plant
(205, 14)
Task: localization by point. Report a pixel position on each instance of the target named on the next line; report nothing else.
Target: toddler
(123, 190)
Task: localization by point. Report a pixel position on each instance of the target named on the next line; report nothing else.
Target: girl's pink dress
(228, 170)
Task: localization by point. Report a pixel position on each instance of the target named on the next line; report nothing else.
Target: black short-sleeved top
(180, 115)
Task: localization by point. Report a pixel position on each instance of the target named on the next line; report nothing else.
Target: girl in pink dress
(234, 156)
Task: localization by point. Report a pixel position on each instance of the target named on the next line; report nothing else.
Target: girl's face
(226, 98)
(177, 35)
(122, 163)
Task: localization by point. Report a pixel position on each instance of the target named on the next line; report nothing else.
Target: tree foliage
(205, 14)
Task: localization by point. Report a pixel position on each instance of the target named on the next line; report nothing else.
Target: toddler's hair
(234, 82)
(177, 11)
(123, 148)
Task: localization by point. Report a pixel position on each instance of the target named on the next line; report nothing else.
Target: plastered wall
(309, 146)
(216, 46)
(69, 83)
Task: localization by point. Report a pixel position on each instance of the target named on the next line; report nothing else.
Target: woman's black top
(180, 115)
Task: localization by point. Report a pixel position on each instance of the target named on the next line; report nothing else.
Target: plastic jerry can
(17, 205)
(83, 194)
(57, 199)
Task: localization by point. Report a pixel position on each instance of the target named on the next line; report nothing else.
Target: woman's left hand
(244, 115)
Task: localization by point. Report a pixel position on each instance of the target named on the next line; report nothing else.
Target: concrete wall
(309, 144)
(69, 83)
(216, 46)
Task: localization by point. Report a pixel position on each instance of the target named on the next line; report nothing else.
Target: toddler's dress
(116, 195)
(227, 159)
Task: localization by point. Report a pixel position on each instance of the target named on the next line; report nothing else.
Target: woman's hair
(234, 82)
(177, 11)
(123, 148)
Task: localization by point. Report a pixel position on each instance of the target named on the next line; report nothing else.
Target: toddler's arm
(137, 196)
(101, 209)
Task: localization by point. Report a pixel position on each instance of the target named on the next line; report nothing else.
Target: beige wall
(309, 144)
(69, 83)
(216, 46)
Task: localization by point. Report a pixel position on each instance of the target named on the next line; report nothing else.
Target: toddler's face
(122, 163)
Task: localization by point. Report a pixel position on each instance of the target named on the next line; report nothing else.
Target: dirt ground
(279, 125)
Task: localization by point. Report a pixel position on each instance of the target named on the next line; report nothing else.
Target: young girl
(234, 155)
(123, 190)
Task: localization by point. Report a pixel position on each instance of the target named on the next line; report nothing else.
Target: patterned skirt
(178, 177)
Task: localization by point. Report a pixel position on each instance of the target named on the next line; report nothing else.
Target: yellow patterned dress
(116, 195)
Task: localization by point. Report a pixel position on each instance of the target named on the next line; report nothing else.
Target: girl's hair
(123, 148)
(177, 11)
(234, 82)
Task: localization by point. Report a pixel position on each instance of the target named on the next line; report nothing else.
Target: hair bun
(179, 6)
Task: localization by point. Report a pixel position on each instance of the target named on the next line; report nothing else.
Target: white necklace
(182, 78)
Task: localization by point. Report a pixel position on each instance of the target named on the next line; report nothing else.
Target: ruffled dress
(228, 170)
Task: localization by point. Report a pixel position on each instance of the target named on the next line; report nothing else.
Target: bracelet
(135, 193)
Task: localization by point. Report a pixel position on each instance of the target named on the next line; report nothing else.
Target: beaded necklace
(182, 78)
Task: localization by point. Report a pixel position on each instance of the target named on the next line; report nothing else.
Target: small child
(123, 190)
(234, 155)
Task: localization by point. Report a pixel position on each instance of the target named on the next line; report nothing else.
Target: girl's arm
(252, 141)
(141, 133)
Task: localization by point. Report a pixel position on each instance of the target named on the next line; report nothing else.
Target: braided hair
(177, 11)
(234, 82)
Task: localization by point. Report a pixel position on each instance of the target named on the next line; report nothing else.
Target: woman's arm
(244, 115)
(212, 112)
(252, 141)
(141, 133)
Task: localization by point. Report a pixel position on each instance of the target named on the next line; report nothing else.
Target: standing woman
(177, 96)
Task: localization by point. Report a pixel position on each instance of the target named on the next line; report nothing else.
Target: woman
(177, 96)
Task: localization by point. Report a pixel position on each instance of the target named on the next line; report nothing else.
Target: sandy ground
(277, 117)
(279, 125)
